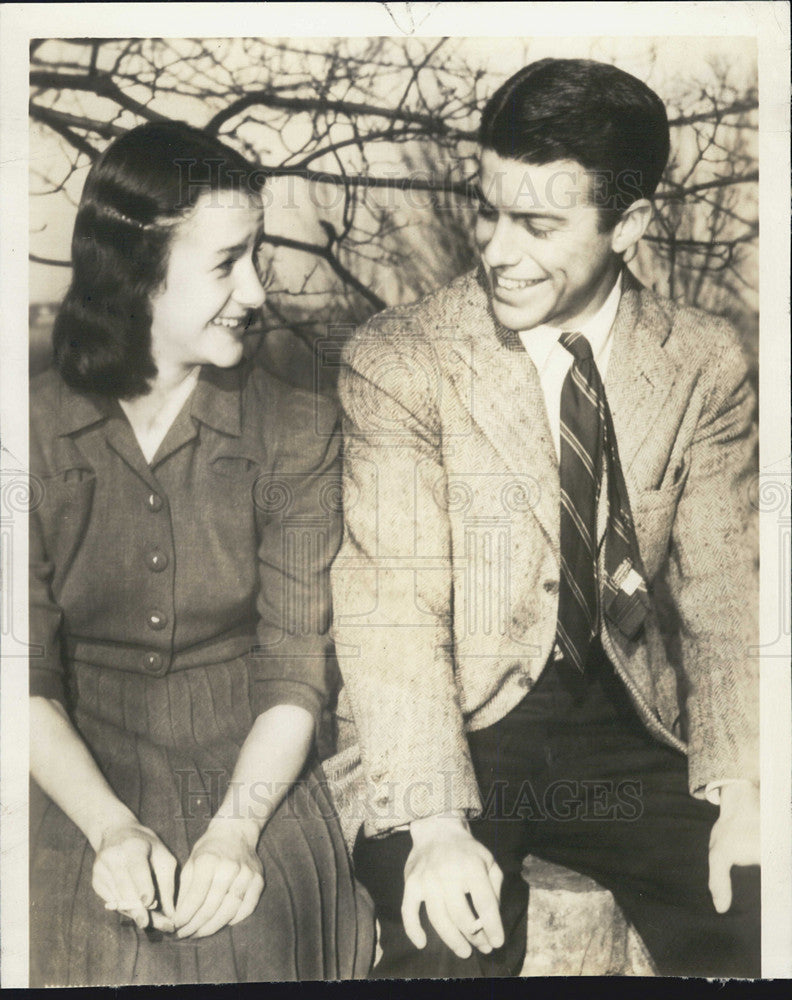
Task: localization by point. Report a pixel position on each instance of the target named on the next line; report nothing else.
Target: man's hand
(734, 839)
(445, 867)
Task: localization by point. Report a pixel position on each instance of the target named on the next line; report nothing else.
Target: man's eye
(226, 266)
(535, 231)
(487, 212)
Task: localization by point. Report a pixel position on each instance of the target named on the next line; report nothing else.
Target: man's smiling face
(540, 242)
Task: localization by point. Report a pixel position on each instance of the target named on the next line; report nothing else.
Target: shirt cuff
(712, 790)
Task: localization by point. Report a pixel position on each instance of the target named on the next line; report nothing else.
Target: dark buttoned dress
(171, 602)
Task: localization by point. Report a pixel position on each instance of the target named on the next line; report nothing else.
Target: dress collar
(216, 402)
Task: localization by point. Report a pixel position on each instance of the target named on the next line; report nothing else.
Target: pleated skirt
(168, 747)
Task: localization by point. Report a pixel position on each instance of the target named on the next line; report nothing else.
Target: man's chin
(514, 318)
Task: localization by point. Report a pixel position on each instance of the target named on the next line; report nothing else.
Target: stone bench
(575, 927)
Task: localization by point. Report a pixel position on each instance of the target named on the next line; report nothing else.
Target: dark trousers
(572, 776)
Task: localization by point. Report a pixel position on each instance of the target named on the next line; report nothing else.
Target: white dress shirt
(554, 361)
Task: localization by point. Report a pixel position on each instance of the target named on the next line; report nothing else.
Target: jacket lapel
(496, 380)
(639, 378)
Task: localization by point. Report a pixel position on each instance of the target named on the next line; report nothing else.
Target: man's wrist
(442, 825)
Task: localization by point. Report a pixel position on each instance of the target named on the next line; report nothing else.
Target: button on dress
(171, 603)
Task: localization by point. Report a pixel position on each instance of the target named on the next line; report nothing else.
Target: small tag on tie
(627, 608)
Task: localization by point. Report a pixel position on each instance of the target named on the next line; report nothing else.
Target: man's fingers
(469, 925)
(486, 903)
(411, 907)
(495, 876)
(446, 928)
(720, 880)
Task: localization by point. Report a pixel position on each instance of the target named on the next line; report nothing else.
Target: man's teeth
(228, 322)
(515, 284)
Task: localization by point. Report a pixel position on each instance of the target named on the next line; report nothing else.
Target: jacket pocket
(65, 509)
(654, 512)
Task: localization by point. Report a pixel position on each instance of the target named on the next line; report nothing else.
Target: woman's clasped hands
(220, 884)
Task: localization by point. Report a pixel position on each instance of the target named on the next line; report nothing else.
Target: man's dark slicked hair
(590, 112)
(136, 193)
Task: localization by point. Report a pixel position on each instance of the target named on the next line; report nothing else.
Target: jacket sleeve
(392, 585)
(298, 512)
(714, 580)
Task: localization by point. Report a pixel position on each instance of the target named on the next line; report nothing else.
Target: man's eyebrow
(537, 213)
(534, 213)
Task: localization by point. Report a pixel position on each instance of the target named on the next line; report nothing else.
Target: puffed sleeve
(298, 511)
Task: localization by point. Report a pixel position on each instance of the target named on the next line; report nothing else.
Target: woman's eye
(226, 266)
(487, 212)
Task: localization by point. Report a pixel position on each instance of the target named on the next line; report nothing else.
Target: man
(546, 595)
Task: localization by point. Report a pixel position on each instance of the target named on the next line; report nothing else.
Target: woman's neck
(152, 415)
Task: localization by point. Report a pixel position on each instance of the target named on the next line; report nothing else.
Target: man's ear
(631, 226)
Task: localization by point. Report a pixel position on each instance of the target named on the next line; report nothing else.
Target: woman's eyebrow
(237, 248)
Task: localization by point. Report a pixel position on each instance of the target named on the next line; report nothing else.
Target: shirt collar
(540, 340)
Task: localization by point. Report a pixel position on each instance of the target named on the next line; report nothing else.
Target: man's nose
(501, 249)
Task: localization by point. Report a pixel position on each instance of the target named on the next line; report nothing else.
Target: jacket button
(154, 502)
(152, 662)
(551, 586)
(156, 560)
(157, 621)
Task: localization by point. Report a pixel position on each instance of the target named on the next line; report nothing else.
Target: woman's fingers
(228, 908)
(104, 885)
(251, 898)
(163, 865)
(125, 871)
(211, 879)
(162, 923)
(128, 897)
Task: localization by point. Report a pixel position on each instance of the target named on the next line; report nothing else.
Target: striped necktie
(589, 453)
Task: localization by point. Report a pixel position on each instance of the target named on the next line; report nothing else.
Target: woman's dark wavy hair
(143, 184)
(590, 112)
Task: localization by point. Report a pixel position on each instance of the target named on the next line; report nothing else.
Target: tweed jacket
(446, 586)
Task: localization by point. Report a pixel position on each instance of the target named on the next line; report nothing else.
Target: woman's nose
(249, 291)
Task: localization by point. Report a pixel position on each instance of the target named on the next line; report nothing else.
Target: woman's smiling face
(212, 286)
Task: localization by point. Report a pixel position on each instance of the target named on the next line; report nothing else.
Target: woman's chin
(228, 356)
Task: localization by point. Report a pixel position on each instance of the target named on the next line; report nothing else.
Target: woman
(179, 564)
